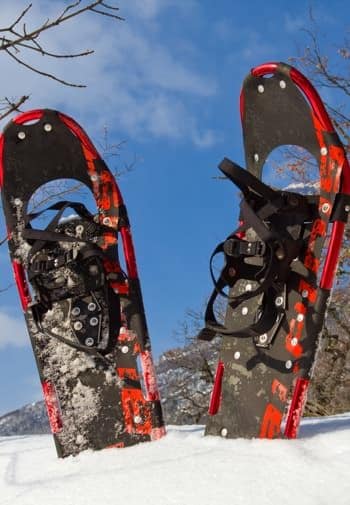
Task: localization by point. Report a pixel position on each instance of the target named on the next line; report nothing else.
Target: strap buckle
(236, 247)
(45, 265)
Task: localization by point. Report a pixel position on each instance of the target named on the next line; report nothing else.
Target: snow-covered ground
(185, 468)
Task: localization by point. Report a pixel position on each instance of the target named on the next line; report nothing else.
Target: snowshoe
(85, 316)
(278, 269)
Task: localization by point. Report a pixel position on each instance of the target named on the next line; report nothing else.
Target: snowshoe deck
(85, 316)
(277, 296)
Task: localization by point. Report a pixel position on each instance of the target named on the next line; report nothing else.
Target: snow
(185, 468)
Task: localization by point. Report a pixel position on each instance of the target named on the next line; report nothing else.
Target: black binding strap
(268, 212)
(47, 254)
(49, 234)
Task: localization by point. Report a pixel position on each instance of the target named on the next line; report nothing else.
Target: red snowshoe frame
(112, 213)
(275, 423)
(322, 123)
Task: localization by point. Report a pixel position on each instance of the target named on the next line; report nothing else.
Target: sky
(166, 83)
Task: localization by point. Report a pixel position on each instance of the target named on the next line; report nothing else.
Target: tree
(18, 41)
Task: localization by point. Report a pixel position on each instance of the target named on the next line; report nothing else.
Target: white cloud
(137, 82)
(294, 24)
(13, 331)
(150, 9)
(206, 139)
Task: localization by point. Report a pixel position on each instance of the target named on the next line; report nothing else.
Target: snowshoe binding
(85, 316)
(276, 294)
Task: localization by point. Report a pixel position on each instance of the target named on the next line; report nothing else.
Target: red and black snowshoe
(85, 316)
(279, 269)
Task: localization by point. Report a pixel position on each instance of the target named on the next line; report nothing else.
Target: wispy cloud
(150, 9)
(137, 80)
(13, 331)
(293, 24)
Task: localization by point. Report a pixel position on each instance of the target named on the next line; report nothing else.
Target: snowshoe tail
(85, 316)
(277, 294)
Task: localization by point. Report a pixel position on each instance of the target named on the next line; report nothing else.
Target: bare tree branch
(6, 43)
(45, 74)
(18, 41)
(10, 106)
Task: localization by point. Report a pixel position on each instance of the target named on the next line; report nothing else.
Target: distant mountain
(30, 419)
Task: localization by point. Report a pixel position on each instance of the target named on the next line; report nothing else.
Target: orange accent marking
(271, 423)
(279, 389)
(295, 350)
(300, 308)
(137, 348)
(126, 335)
(312, 296)
(119, 445)
(128, 373)
(123, 289)
(311, 262)
(136, 408)
(296, 368)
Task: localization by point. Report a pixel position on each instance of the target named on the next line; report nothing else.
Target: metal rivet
(325, 207)
(17, 201)
(93, 269)
(106, 221)
(48, 127)
(300, 317)
(89, 341)
(75, 311)
(91, 306)
(237, 355)
(93, 321)
(245, 311)
(304, 293)
(125, 349)
(289, 364)
(280, 253)
(256, 157)
(94, 177)
(137, 419)
(347, 208)
(294, 341)
(261, 88)
(232, 272)
(21, 135)
(79, 228)
(224, 432)
(283, 84)
(324, 151)
(263, 338)
(78, 325)
(248, 287)
(279, 301)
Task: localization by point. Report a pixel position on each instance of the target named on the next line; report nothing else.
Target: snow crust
(184, 468)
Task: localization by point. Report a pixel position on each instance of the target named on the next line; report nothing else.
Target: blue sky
(167, 81)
